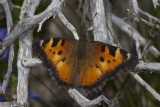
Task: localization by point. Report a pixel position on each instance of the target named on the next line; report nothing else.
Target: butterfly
(81, 63)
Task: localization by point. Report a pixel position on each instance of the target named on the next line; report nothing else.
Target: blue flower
(33, 95)
(3, 34)
(2, 99)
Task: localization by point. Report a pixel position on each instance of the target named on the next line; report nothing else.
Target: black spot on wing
(63, 42)
(60, 52)
(101, 59)
(97, 66)
(124, 53)
(112, 50)
(55, 42)
(103, 48)
(63, 59)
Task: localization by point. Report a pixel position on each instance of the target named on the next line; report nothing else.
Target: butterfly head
(83, 37)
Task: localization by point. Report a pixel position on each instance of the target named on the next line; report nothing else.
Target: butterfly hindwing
(54, 52)
(107, 60)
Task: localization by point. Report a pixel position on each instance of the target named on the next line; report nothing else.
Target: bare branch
(149, 16)
(99, 22)
(3, 1)
(25, 51)
(146, 66)
(143, 20)
(150, 66)
(138, 49)
(10, 104)
(135, 6)
(68, 25)
(28, 23)
(13, 5)
(31, 62)
(155, 3)
(8, 15)
(138, 10)
(84, 102)
(132, 32)
(45, 18)
(111, 35)
(146, 86)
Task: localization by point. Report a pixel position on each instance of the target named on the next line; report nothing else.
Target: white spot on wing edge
(41, 43)
(118, 49)
(51, 39)
(128, 56)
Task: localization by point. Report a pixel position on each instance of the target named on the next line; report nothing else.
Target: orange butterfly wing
(106, 60)
(93, 68)
(54, 52)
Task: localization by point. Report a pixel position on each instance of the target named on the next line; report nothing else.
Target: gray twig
(25, 52)
(155, 3)
(111, 35)
(138, 10)
(99, 22)
(68, 24)
(13, 5)
(146, 86)
(28, 23)
(84, 102)
(31, 62)
(10, 104)
(149, 66)
(155, 26)
(133, 33)
(11, 52)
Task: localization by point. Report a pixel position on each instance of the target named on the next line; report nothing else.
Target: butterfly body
(81, 63)
(83, 60)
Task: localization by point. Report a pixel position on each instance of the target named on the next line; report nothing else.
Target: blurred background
(123, 89)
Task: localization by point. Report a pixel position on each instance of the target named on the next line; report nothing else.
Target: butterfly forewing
(54, 53)
(106, 61)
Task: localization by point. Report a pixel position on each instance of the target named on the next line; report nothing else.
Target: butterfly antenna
(84, 33)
